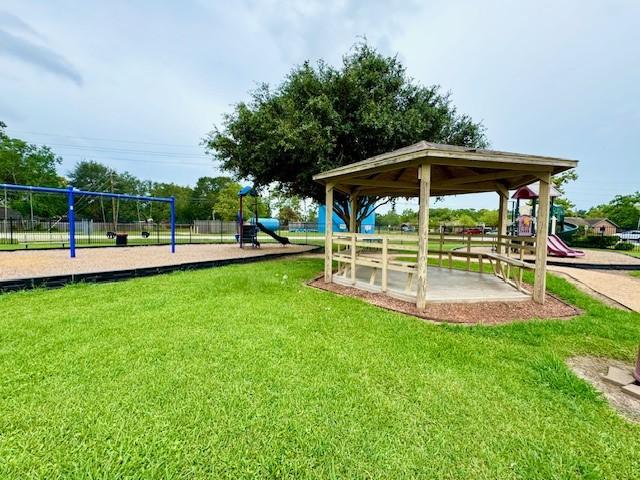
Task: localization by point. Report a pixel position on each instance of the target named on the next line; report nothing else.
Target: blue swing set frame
(71, 192)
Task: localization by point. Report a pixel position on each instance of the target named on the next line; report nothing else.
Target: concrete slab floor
(633, 390)
(444, 285)
(618, 376)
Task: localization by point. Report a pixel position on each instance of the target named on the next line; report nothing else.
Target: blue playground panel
(368, 225)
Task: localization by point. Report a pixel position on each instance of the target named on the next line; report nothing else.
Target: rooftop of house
(590, 222)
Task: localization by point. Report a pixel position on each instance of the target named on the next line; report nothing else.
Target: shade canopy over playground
(425, 169)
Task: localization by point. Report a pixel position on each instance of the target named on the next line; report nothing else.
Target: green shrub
(594, 241)
(624, 246)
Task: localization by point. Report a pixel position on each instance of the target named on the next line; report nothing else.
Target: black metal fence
(54, 233)
(18, 234)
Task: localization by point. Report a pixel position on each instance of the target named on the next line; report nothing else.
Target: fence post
(353, 258)
(173, 225)
(71, 215)
(385, 263)
(11, 231)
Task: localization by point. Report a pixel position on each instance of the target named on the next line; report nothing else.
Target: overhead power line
(106, 139)
(127, 150)
(209, 163)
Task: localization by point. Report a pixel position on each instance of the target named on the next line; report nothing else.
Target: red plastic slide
(557, 248)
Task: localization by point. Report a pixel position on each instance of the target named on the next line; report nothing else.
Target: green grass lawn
(243, 371)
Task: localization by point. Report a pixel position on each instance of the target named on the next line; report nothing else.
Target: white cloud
(36, 54)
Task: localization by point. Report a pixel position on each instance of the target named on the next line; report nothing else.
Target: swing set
(71, 194)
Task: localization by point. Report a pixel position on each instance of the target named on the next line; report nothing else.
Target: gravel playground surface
(48, 263)
(598, 257)
(486, 313)
(615, 285)
(593, 257)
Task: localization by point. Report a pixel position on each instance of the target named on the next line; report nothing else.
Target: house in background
(594, 226)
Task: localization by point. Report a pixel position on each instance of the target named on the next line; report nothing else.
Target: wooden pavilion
(379, 262)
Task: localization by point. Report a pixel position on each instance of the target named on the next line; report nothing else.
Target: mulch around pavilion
(481, 313)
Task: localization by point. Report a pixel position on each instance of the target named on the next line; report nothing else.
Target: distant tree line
(440, 216)
(210, 198)
(623, 210)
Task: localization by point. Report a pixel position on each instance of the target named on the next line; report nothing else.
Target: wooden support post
(328, 233)
(424, 172)
(385, 263)
(441, 246)
(353, 214)
(353, 259)
(503, 207)
(542, 230)
(521, 270)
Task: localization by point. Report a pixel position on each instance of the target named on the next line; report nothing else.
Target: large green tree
(624, 210)
(183, 197)
(27, 164)
(205, 195)
(94, 176)
(559, 181)
(288, 208)
(321, 117)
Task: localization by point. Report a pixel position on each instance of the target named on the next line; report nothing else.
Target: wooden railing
(389, 252)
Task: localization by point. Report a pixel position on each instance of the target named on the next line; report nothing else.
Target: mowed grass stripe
(243, 371)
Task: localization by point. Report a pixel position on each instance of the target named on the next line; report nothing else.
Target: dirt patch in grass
(592, 369)
(485, 313)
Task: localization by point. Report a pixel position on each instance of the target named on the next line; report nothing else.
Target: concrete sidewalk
(615, 285)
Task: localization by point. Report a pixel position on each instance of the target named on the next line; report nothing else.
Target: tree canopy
(27, 164)
(212, 197)
(321, 117)
(466, 217)
(623, 210)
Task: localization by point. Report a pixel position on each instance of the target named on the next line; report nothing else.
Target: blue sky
(138, 84)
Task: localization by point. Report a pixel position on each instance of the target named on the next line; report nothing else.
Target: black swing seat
(111, 235)
(145, 234)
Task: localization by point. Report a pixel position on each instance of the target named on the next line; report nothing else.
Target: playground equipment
(526, 224)
(248, 231)
(557, 248)
(71, 194)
